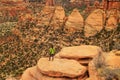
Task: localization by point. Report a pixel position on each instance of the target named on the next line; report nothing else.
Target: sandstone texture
(61, 68)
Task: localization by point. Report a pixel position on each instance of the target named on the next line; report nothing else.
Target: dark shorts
(51, 55)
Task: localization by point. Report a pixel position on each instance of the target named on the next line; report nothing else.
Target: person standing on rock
(51, 53)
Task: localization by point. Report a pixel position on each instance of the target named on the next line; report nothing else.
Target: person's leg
(49, 57)
(52, 57)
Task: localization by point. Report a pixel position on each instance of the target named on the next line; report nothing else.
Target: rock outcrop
(111, 23)
(65, 66)
(75, 21)
(102, 62)
(94, 23)
(46, 15)
(58, 17)
(83, 53)
(33, 73)
(113, 19)
(61, 68)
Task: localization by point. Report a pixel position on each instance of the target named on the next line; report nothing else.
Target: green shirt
(52, 51)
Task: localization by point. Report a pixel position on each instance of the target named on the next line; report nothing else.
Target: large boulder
(83, 54)
(58, 17)
(94, 23)
(102, 63)
(33, 73)
(61, 68)
(113, 60)
(75, 21)
(78, 52)
(26, 75)
(111, 23)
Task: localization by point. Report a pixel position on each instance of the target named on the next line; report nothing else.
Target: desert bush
(99, 61)
(110, 74)
(5, 28)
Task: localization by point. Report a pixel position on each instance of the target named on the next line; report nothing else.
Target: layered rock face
(83, 54)
(94, 23)
(61, 68)
(50, 2)
(58, 17)
(58, 69)
(75, 21)
(113, 19)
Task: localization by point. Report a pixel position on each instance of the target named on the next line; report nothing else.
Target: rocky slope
(30, 38)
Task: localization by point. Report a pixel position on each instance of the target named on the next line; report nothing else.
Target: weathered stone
(111, 23)
(83, 77)
(75, 20)
(84, 61)
(50, 3)
(58, 17)
(94, 23)
(11, 0)
(26, 75)
(79, 52)
(46, 15)
(34, 71)
(113, 61)
(100, 63)
(92, 71)
(113, 19)
(61, 68)
(10, 78)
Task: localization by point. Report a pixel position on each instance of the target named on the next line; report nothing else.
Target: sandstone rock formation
(46, 15)
(11, 0)
(111, 23)
(100, 63)
(83, 54)
(112, 60)
(50, 2)
(58, 17)
(111, 5)
(94, 23)
(61, 68)
(33, 73)
(75, 21)
(113, 19)
(77, 52)
(26, 75)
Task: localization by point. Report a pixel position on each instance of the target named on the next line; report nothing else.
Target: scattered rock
(94, 23)
(61, 68)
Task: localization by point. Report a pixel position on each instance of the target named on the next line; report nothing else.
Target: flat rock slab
(26, 75)
(33, 73)
(78, 52)
(61, 68)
